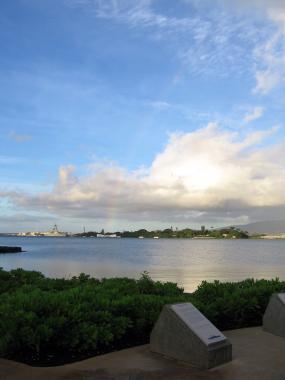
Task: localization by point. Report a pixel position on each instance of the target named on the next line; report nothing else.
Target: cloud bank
(208, 174)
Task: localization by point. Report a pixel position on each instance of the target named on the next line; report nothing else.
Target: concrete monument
(183, 333)
(274, 317)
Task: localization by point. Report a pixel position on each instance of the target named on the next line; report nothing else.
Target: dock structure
(182, 332)
(274, 316)
(5, 249)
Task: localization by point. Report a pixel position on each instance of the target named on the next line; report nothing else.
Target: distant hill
(269, 227)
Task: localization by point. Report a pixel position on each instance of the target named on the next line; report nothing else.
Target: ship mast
(55, 228)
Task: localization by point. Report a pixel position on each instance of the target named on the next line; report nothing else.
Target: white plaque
(198, 323)
(282, 297)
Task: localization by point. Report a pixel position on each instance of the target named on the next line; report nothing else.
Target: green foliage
(225, 233)
(44, 320)
(169, 233)
(232, 305)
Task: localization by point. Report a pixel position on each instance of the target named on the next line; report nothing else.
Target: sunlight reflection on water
(187, 262)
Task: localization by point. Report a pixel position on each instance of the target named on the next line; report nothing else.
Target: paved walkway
(257, 355)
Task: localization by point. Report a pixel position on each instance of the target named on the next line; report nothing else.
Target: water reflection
(186, 262)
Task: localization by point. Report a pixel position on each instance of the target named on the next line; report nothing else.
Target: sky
(121, 114)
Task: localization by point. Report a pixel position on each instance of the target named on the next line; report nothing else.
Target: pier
(5, 249)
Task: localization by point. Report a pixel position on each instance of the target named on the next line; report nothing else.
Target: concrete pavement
(256, 355)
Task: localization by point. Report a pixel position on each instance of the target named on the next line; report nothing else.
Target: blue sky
(98, 98)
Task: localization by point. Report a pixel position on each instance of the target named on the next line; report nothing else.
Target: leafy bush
(44, 320)
(232, 305)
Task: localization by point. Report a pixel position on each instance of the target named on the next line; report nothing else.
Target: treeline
(51, 321)
(224, 233)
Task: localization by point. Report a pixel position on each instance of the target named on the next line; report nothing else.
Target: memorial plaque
(274, 316)
(198, 323)
(282, 297)
(184, 333)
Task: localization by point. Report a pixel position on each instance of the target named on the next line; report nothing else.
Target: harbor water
(184, 261)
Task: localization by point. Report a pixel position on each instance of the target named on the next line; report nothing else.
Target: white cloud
(271, 57)
(209, 173)
(266, 80)
(269, 51)
(216, 39)
(204, 42)
(270, 54)
(254, 114)
(159, 104)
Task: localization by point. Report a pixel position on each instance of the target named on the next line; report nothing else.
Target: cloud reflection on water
(186, 262)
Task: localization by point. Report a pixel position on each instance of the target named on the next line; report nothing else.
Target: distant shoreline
(264, 237)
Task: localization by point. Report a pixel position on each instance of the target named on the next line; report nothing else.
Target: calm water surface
(187, 262)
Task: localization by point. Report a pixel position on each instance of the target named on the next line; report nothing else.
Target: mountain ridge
(264, 227)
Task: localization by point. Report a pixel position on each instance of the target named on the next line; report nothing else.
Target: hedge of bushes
(51, 321)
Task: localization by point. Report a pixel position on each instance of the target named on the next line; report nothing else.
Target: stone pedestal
(182, 332)
(274, 317)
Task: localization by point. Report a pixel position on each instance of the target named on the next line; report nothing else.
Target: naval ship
(54, 232)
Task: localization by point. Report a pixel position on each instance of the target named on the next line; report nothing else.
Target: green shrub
(44, 320)
(232, 305)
